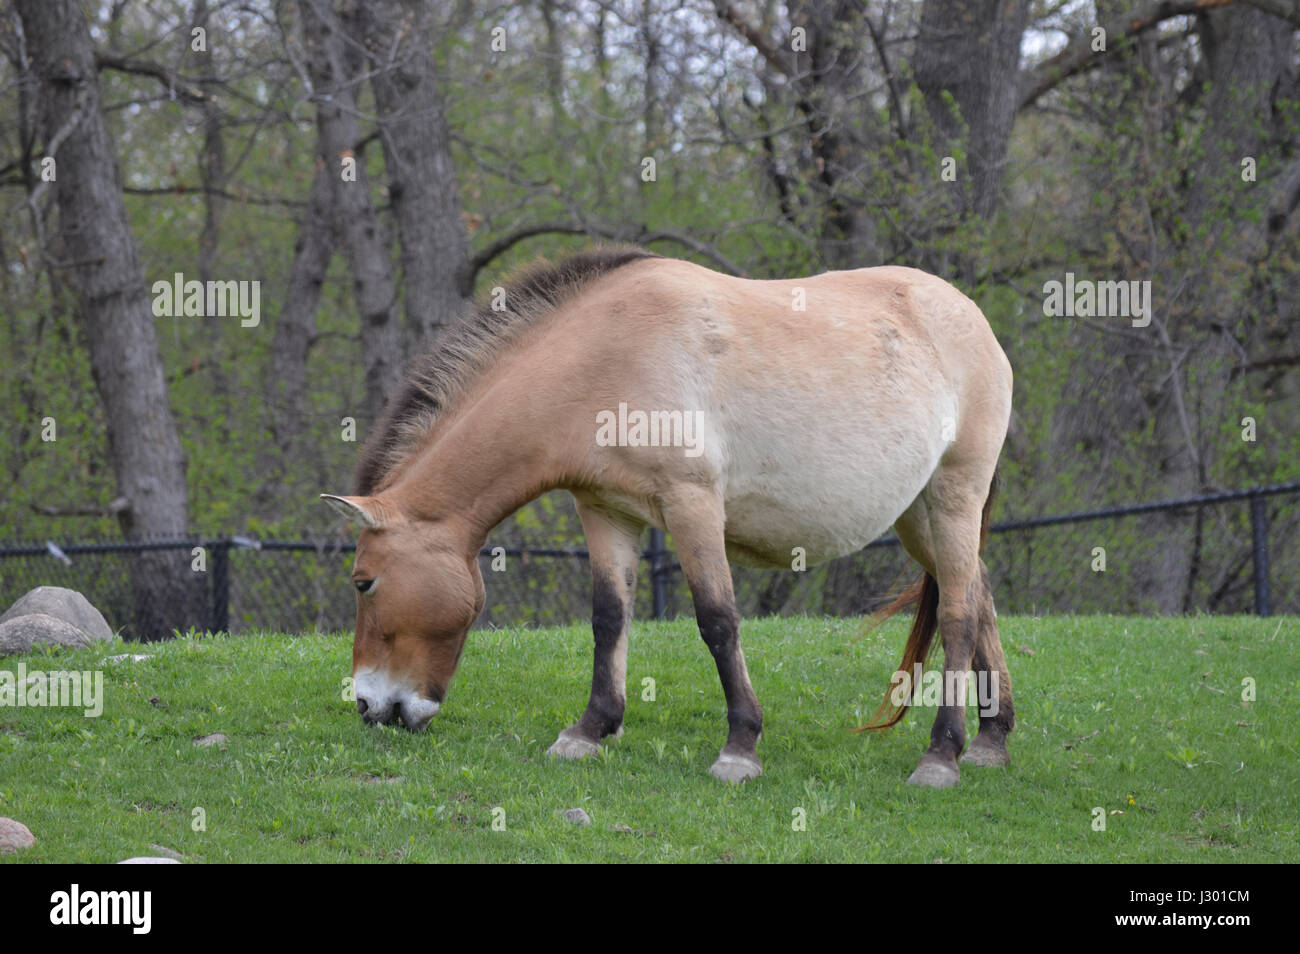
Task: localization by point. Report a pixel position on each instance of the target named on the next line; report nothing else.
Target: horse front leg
(695, 518)
(613, 543)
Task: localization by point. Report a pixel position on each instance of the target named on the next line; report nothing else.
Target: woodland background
(788, 138)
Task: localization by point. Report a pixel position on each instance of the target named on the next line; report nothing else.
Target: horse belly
(826, 484)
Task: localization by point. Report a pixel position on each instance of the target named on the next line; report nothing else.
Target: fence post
(220, 618)
(1259, 534)
(658, 583)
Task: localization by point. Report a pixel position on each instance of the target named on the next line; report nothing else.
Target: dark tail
(924, 594)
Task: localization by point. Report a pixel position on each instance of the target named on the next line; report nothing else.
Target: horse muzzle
(382, 702)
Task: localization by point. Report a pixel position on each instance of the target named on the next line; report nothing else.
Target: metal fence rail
(1230, 552)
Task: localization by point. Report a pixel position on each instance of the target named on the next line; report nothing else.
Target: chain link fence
(1232, 552)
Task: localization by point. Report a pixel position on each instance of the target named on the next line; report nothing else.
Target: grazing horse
(745, 418)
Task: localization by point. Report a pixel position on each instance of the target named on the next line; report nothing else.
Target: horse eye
(363, 586)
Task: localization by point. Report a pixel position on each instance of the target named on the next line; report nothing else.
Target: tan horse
(745, 418)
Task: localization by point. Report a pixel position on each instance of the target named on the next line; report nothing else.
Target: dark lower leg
(938, 766)
(609, 625)
(948, 734)
(996, 709)
(613, 545)
(695, 517)
(720, 629)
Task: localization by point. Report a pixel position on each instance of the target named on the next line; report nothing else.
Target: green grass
(1121, 714)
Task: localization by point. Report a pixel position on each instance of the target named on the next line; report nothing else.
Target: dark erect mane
(440, 375)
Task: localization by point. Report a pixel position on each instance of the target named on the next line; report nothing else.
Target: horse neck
(482, 464)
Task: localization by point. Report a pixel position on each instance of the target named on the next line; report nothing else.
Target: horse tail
(924, 595)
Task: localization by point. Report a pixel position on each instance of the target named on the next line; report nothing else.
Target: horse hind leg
(954, 510)
(997, 712)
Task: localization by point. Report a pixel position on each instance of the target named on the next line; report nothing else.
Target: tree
(820, 72)
(966, 61)
(422, 182)
(93, 243)
(335, 63)
(296, 324)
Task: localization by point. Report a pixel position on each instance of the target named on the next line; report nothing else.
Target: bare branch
(1266, 364)
(728, 13)
(75, 117)
(639, 235)
(892, 82)
(177, 86)
(113, 508)
(241, 196)
(484, 257)
(1079, 55)
(1288, 10)
(1285, 202)
(703, 249)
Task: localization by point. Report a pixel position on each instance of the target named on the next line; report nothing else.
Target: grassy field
(1142, 718)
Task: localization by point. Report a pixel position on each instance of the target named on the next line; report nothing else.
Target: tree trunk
(422, 182)
(296, 324)
(94, 244)
(211, 161)
(970, 49)
(335, 65)
(839, 149)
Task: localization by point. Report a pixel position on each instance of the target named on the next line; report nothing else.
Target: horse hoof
(985, 753)
(935, 775)
(572, 746)
(735, 768)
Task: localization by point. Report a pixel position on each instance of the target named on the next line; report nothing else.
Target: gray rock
(577, 816)
(67, 605)
(19, 634)
(216, 738)
(146, 860)
(14, 836)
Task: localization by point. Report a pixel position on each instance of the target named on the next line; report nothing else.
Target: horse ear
(362, 510)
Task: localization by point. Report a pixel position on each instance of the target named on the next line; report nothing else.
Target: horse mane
(438, 377)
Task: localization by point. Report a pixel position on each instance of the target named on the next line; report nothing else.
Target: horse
(823, 410)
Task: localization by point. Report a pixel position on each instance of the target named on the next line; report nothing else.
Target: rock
(577, 816)
(165, 852)
(67, 605)
(131, 657)
(216, 738)
(14, 836)
(22, 633)
(146, 860)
